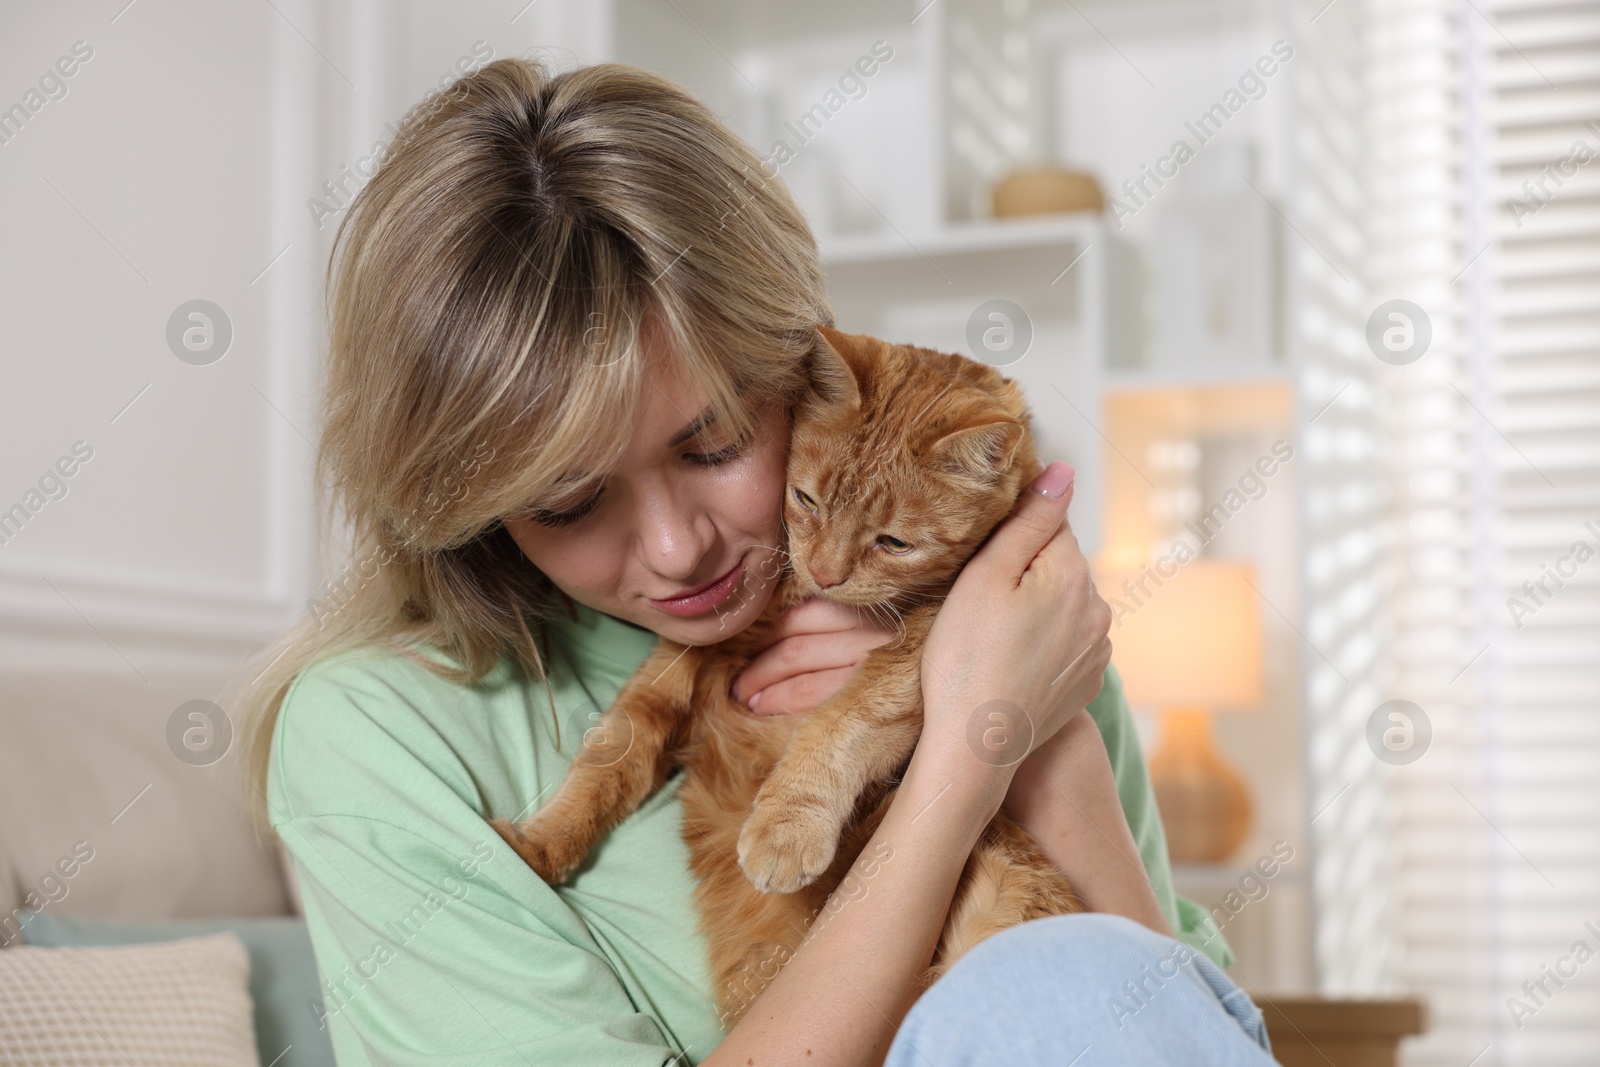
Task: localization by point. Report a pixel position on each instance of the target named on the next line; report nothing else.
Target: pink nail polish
(1054, 480)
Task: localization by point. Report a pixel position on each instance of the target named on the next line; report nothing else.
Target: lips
(703, 599)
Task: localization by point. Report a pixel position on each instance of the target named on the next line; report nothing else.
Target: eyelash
(568, 517)
(572, 515)
(716, 459)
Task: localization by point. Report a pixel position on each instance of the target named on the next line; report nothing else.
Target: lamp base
(1204, 803)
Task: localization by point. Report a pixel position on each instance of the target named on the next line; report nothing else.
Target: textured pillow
(175, 1004)
(283, 972)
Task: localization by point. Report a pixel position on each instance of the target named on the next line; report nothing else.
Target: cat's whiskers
(895, 620)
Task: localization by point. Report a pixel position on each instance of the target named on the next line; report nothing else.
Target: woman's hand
(1021, 643)
(818, 646)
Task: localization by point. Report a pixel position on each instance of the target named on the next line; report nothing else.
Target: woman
(569, 322)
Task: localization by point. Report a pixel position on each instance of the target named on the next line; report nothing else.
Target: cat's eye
(804, 500)
(894, 544)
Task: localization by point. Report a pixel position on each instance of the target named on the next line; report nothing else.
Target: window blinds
(1470, 874)
(1536, 756)
(1326, 249)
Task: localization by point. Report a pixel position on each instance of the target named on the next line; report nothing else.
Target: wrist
(952, 778)
(1036, 788)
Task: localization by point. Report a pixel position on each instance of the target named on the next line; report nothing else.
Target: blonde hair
(493, 295)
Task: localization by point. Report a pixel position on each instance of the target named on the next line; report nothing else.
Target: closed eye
(804, 499)
(568, 516)
(894, 544)
(721, 456)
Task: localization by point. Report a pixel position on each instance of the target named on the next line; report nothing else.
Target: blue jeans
(1082, 990)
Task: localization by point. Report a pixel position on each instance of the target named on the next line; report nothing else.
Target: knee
(1069, 955)
(1050, 987)
(1049, 942)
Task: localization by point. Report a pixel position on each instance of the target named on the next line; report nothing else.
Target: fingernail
(1054, 480)
(755, 698)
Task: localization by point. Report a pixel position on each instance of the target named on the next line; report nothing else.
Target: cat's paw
(785, 846)
(551, 858)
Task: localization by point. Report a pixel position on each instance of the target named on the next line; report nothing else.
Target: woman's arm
(843, 993)
(1065, 795)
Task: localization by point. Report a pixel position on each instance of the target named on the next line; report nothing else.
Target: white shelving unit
(990, 235)
(1136, 379)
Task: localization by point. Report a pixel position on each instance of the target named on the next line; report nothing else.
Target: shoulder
(341, 687)
(345, 697)
(357, 728)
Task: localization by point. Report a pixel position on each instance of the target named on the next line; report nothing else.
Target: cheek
(756, 501)
(578, 564)
(748, 508)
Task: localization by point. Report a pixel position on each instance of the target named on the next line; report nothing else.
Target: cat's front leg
(861, 735)
(621, 761)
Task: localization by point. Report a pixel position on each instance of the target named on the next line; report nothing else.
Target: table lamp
(1189, 645)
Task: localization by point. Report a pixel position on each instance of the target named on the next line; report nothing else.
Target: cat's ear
(833, 379)
(979, 452)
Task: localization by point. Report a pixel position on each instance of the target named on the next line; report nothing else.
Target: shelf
(1156, 379)
(996, 235)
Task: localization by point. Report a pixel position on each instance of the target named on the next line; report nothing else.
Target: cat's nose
(823, 580)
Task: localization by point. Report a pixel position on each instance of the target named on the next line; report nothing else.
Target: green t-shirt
(436, 944)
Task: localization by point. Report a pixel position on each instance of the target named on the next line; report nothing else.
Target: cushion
(121, 824)
(283, 973)
(176, 1004)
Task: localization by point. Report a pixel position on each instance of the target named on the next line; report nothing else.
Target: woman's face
(684, 536)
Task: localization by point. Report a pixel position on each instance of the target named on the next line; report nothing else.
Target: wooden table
(1318, 1031)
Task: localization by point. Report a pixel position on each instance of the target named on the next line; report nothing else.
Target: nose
(822, 579)
(674, 535)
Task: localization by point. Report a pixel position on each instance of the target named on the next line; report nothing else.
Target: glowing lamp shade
(1194, 641)
(1188, 646)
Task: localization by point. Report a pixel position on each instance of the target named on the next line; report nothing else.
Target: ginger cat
(901, 461)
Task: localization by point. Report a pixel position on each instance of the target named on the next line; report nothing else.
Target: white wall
(179, 165)
(160, 177)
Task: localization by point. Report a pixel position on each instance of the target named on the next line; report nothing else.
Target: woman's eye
(712, 459)
(804, 500)
(894, 544)
(568, 516)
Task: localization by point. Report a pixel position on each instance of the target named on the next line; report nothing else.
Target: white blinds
(1326, 249)
(1482, 857)
(1538, 753)
(1443, 479)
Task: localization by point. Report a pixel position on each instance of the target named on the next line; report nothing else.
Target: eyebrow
(701, 421)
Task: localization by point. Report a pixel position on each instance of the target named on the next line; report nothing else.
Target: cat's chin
(847, 598)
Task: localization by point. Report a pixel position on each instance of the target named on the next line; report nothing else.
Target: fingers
(1032, 523)
(815, 615)
(805, 692)
(802, 654)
